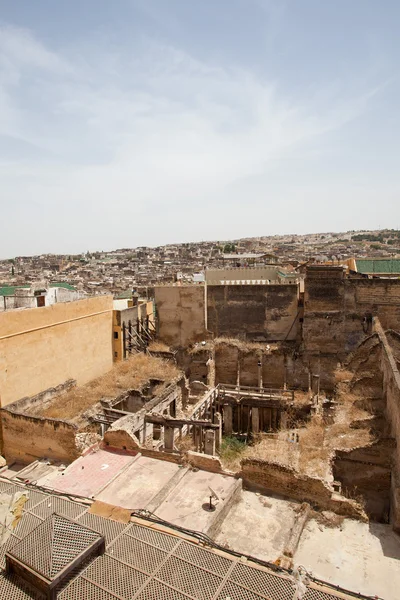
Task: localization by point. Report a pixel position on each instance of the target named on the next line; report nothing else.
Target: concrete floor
(359, 556)
(141, 483)
(184, 505)
(258, 525)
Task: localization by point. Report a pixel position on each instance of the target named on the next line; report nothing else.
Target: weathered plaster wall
(42, 347)
(335, 308)
(181, 314)
(28, 438)
(253, 312)
(391, 391)
(366, 472)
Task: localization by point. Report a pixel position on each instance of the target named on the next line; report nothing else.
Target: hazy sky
(144, 122)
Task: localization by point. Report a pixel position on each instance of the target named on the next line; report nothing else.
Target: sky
(147, 122)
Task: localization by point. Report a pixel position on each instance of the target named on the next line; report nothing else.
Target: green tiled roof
(63, 284)
(9, 290)
(384, 266)
(124, 295)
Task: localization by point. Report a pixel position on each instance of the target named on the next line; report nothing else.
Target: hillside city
(119, 271)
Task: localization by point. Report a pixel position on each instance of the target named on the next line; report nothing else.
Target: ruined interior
(295, 430)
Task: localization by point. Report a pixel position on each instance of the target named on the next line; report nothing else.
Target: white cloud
(158, 129)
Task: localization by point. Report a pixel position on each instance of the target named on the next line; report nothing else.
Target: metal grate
(34, 499)
(109, 529)
(155, 590)
(313, 594)
(12, 588)
(10, 543)
(4, 485)
(82, 589)
(26, 524)
(204, 558)
(189, 578)
(115, 576)
(233, 591)
(154, 538)
(272, 586)
(137, 554)
(55, 504)
(53, 545)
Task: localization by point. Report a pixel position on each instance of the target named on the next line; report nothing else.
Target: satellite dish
(213, 494)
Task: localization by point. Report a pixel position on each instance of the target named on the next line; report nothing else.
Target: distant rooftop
(378, 266)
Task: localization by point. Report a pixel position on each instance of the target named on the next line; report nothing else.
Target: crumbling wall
(181, 314)
(27, 438)
(226, 363)
(253, 312)
(391, 390)
(285, 481)
(366, 472)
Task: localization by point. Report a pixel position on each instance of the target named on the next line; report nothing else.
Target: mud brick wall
(181, 314)
(391, 392)
(253, 312)
(367, 472)
(27, 438)
(286, 482)
(226, 364)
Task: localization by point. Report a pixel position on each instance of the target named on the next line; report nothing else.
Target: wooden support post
(255, 420)
(228, 414)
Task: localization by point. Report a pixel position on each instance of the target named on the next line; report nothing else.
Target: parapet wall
(41, 347)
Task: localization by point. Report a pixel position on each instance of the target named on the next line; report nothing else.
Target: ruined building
(237, 438)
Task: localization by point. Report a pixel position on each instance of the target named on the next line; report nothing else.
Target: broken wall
(253, 312)
(181, 314)
(27, 438)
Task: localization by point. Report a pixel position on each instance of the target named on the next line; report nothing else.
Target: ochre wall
(43, 347)
(181, 314)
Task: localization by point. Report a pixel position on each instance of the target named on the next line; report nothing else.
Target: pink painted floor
(87, 475)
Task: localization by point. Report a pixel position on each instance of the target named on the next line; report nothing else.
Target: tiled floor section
(89, 474)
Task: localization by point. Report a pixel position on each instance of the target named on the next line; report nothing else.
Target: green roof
(63, 284)
(381, 266)
(9, 290)
(124, 295)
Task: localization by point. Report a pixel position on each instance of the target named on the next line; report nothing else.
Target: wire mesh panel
(26, 524)
(154, 538)
(34, 499)
(189, 578)
(61, 506)
(5, 547)
(155, 590)
(270, 585)
(234, 591)
(313, 594)
(53, 545)
(115, 576)
(13, 588)
(82, 589)
(109, 529)
(137, 554)
(203, 558)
